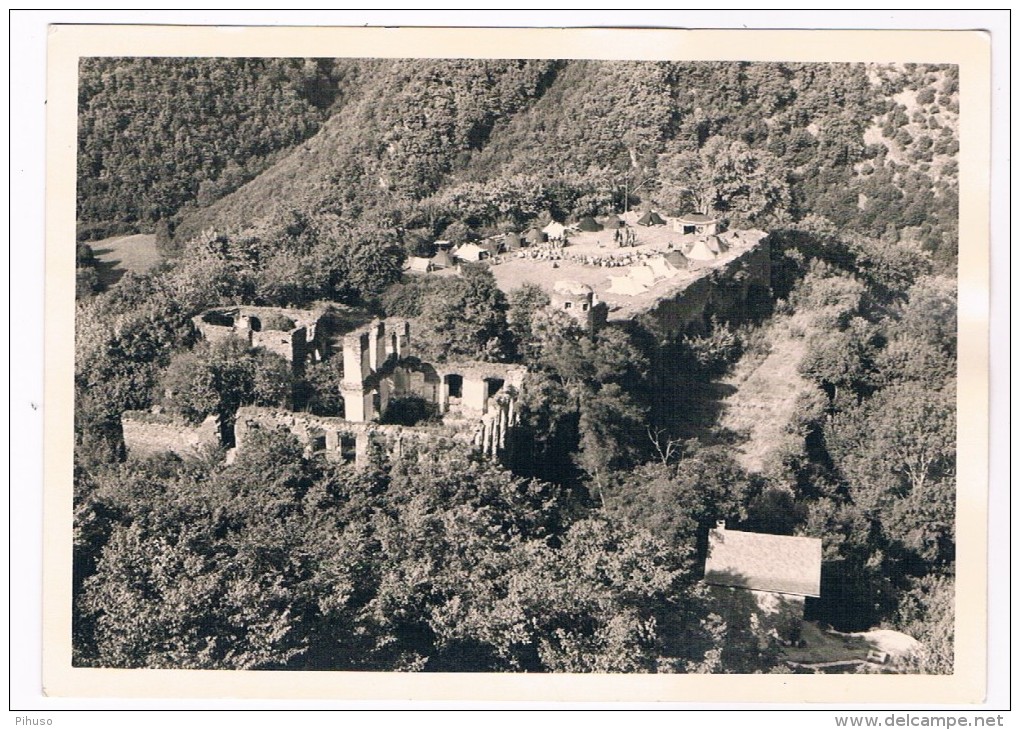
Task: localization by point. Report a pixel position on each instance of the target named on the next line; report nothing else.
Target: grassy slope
(121, 254)
(766, 394)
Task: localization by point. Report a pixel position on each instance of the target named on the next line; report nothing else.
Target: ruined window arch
(456, 385)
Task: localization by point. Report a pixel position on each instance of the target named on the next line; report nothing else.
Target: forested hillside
(499, 143)
(408, 125)
(155, 134)
(416, 147)
(305, 183)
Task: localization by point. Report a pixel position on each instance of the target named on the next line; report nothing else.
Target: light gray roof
(696, 218)
(761, 562)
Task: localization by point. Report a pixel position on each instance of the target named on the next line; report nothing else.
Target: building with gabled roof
(696, 224)
(763, 580)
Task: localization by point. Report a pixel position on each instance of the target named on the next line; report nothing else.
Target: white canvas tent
(642, 275)
(470, 252)
(554, 230)
(716, 245)
(419, 264)
(699, 251)
(661, 268)
(625, 285)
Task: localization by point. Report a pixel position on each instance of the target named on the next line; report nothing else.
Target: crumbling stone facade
(379, 366)
(370, 356)
(294, 334)
(148, 434)
(337, 439)
(342, 441)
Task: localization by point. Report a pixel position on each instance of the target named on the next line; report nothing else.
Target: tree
(930, 312)
(680, 501)
(895, 443)
(842, 363)
(238, 567)
(611, 430)
(465, 317)
(926, 612)
(747, 183)
(163, 601)
(909, 359)
(319, 388)
(218, 378)
(684, 182)
(522, 305)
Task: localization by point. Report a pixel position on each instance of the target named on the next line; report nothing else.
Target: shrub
(277, 322)
(410, 411)
(715, 352)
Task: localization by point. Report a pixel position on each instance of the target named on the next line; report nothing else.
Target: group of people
(624, 237)
(551, 251)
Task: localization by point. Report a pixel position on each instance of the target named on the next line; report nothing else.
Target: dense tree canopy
(158, 133)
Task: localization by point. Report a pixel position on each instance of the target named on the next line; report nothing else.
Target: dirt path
(765, 397)
(121, 254)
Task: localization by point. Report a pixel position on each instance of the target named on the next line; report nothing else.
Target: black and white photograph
(515, 364)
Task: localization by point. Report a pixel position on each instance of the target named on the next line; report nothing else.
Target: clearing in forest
(120, 254)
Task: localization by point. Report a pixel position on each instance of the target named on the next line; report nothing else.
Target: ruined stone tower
(580, 302)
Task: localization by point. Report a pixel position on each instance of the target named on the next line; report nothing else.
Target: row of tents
(556, 231)
(642, 277)
(588, 224)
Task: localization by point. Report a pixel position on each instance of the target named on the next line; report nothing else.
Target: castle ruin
(476, 401)
(293, 334)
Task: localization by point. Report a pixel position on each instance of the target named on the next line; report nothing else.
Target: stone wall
(304, 342)
(291, 346)
(149, 434)
(478, 401)
(732, 291)
(491, 433)
(337, 439)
